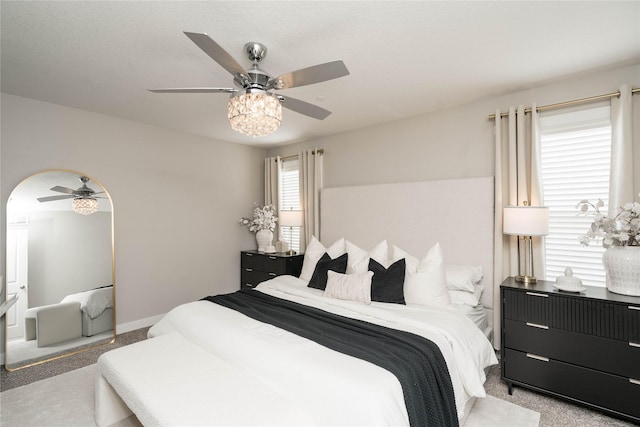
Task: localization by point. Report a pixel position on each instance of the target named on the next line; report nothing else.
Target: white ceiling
(405, 58)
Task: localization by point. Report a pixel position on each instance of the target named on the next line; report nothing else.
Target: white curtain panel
(310, 186)
(517, 180)
(621, 181)
(271, 186)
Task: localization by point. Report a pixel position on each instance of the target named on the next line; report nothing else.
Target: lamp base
(526, 279)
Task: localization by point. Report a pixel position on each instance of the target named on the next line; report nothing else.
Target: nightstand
(584, 347)
(256, 267)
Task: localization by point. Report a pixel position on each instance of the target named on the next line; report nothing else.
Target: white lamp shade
(291, 218)
(525, 220)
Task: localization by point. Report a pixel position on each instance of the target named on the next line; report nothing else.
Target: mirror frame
(89, 346)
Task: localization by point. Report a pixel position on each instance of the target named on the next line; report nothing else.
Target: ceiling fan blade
(217, 53)
(303, 107)
(194, 90)
(52, 198)
(310, 75)
(60, 189)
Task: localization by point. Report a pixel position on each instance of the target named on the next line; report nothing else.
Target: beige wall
(452, 143)
(176, 198)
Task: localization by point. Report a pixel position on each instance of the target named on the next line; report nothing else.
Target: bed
(79, 314)
(96, 306)
(308, 366)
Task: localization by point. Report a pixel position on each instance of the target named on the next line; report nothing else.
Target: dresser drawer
(528, 306)
(607, 319)
(264, 262)
(579, 349)
(251, 278)
(610, 392)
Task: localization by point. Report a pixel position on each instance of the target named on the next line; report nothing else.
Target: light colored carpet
(492, 411)
(21, 352)
(68, 400)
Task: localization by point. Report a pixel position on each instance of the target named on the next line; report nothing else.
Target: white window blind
(576, 158)
(290, 199)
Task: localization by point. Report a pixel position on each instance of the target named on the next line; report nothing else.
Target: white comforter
(333, 388)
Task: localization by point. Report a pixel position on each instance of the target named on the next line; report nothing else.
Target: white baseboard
(137, 324)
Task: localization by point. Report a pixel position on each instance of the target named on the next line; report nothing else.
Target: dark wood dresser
(584, 347)
(256, 267)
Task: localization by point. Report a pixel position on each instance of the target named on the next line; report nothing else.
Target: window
(575, 164)
(290, 199)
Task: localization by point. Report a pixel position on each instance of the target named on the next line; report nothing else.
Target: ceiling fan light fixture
(254, 112)
(85, 205)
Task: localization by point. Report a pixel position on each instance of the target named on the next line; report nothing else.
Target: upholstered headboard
(458, 213)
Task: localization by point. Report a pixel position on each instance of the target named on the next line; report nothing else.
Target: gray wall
(68, 253)
(176, 198)
(452, 143)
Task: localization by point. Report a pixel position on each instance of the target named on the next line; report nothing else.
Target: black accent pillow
(325, 263)
(387, 284)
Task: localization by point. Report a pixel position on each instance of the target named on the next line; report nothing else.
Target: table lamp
(291, 218)
(526, 222)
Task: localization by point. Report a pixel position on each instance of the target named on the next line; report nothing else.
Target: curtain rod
(319, 151)
(567, 103)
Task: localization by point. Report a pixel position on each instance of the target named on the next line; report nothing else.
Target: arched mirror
(60, 268)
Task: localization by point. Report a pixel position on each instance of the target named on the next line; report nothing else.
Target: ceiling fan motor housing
(258, 79)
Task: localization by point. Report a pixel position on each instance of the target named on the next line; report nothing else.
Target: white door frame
(17, 279)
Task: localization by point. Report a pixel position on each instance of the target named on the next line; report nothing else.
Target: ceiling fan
(84, 198)
(83, 191)
(253, 107)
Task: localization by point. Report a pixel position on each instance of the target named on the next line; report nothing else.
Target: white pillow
(380, 253)
(463, 277)
(359, 258)
(471, 299)
(314, 252)
(358, 261)
(425, 281)
(351, 287)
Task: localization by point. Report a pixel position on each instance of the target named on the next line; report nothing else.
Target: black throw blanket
(415, 361)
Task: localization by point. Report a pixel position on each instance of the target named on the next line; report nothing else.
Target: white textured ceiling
(405, 58)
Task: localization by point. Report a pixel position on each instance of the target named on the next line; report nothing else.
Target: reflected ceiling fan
(254, 109)
(84, 198)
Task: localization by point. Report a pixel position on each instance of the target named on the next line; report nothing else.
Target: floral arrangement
(264, 218)
(621, 230)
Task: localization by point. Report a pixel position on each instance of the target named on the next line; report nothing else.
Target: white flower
(621, 230)
(264, 218)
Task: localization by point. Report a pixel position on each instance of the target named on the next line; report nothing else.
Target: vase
(622, 264)
(264, 239)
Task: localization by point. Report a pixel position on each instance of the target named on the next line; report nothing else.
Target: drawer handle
(632, 307)
(634, 381)
(272, 274)
(535, 325)
(249, 285)
(248, 269)
(634, 344)
(535, 294)
(248, 254)
(536, 357)
(273, 257)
